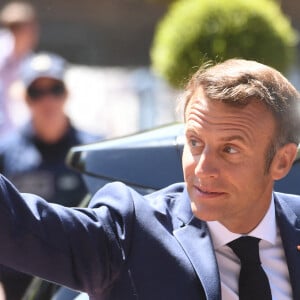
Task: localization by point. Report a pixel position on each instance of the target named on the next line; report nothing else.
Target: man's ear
(283, 160)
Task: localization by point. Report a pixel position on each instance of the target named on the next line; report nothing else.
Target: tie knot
(246, 248)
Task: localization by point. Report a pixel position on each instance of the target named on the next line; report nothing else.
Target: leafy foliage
(194, 31)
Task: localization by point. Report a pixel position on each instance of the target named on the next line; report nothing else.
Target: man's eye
(194, 143)
(230, 150)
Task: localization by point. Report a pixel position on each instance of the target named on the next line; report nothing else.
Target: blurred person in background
(34, 156)
(19, 35)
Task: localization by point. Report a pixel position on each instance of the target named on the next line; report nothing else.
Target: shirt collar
(265, 230)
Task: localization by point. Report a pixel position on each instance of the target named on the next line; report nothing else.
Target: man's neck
(51, 133)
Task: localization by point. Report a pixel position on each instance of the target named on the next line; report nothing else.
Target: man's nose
(207, 165)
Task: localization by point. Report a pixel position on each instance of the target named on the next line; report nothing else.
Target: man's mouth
(208, 192)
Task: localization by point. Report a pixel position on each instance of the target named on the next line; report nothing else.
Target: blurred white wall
(118, 101)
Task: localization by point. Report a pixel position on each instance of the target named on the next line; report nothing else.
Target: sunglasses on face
(36, 93)
(18, 26)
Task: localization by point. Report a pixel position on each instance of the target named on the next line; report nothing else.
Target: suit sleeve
(83, 249)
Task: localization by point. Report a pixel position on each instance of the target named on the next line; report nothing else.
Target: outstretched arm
(79, 248)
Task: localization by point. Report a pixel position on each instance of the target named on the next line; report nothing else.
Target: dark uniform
(38, 167)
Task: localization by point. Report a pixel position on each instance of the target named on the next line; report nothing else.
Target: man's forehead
(207, 114)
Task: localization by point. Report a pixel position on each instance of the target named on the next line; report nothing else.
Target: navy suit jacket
(126, 246)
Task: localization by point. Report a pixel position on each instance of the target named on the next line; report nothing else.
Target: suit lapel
(194, 238)
(289, 225)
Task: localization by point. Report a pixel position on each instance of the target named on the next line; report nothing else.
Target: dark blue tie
(253, 281)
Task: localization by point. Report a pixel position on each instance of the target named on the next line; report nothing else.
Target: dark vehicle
(146, 161)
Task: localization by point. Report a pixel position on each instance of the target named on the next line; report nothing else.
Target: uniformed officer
(34, 156)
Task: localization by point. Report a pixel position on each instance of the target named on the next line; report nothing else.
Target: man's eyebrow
(233, 138)
(190, 130)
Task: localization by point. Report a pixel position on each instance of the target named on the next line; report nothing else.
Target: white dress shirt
(271, 254)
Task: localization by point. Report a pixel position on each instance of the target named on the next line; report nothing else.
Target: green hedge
(194, 31)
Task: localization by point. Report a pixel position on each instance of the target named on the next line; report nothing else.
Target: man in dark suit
(242, 131)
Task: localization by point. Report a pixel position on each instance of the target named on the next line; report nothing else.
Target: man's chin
(205, 215)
